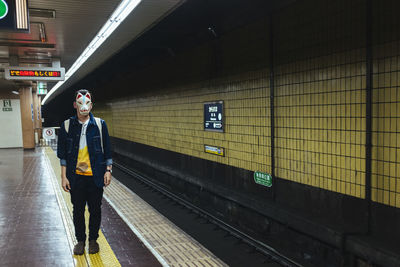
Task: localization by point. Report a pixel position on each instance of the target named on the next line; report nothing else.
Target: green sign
(7, 105)
(41, 91)
(3, 9)
(262, 178)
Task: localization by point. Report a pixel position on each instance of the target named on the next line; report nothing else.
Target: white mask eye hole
(80, 103)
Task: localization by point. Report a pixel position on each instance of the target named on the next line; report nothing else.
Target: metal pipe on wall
(271, 100)
(368, 129)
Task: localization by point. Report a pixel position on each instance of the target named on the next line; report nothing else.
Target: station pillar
(27, 118)
(37, 120)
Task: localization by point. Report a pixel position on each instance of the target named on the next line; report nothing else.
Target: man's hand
(107, 178)
(65, 184)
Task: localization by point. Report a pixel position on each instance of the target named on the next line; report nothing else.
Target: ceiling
(61, 30)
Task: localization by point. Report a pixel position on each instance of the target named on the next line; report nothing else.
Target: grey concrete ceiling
(67, 34)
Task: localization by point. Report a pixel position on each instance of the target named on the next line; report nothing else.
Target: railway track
(261, 253)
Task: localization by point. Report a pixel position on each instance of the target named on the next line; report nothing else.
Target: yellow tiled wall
(174, 120)
(320, 102)
(320, 124)
(320, 95)
(385, 166)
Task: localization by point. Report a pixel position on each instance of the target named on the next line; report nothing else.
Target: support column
(27, 120)
(37, 122)
(39, 115)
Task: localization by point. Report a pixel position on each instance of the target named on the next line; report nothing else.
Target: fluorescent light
(22, 14)
(15, 92)
(118, 16)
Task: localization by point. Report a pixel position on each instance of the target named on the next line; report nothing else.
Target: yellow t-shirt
(83, 163)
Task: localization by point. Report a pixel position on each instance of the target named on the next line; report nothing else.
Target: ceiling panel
(74, 26)
(144, 16)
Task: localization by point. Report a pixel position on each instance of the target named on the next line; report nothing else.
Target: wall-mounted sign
(41, 88)
(42, 91)
(213, 116)
(34, 74)
(49, 133)
(214, 150)
(14, 15)
(7, 105)
(263, 178)
(3, 9)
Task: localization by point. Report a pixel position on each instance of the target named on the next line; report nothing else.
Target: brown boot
(93, 247)
(79, 248)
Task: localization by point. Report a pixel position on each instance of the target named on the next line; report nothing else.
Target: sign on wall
(213, 116)
(263, 178)
(7, 105)
(49, 133)
(34, 73)
(219, 151)
(41, 88)
(14, 15)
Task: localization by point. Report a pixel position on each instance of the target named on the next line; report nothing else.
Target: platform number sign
(262, 178)
(7, 105)
(213, 116)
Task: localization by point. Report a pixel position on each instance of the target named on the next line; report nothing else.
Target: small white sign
(49, 133)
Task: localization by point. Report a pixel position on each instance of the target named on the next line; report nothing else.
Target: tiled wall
(386, 104)
(174, 120)
(320, 101)
(320, 95)
(386, 125)
(320, 123)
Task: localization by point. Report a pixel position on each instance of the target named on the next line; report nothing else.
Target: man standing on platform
(86, 163)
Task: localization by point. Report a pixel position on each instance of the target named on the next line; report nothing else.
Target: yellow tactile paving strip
(106, 256)
(166, 241)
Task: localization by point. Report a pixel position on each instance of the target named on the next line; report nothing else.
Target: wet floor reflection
(31, 227)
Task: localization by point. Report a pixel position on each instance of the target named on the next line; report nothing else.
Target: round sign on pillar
(49, 133)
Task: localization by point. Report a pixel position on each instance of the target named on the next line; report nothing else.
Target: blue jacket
(68, 148)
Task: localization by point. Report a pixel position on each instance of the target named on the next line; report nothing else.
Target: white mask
(84, 103)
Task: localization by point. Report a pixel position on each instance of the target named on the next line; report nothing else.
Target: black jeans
(85, 191)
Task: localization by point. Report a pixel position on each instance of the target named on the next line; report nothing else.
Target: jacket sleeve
(61, 145)
(106, 144)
